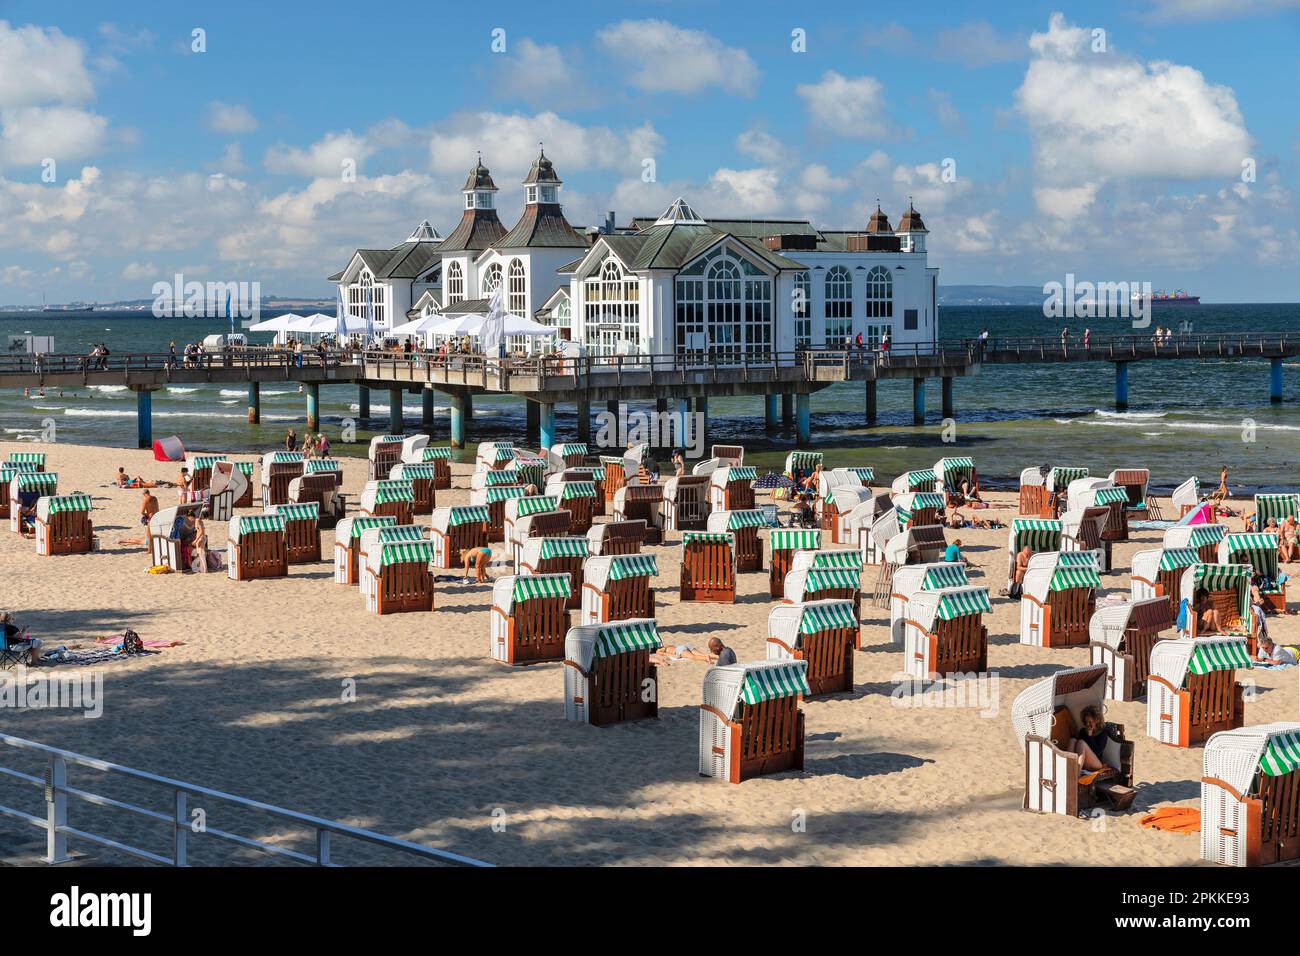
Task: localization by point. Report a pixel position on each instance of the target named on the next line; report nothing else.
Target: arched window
(455, 283)
(611, 308)
(801, 304)
(491, 279)
(518, 300)
(839, 306)
(724, 310)
(880, 293)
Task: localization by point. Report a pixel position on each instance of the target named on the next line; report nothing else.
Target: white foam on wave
(233, 392)
(1233, 426)
(107, 388)
(180, 391)
(1102, 413)
(112, 413)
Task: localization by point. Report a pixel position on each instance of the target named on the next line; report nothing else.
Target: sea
(1184, 418)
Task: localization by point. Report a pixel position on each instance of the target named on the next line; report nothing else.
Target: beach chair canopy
(735, 520)
(1040, 534)
(206, 461)
(707, 467)
(909, 503)
(1174, 660)
(1109, 623)
(489, 496)
(423, 471)
(1094, 493)
(600, 570)
(534, 550)
(848, 497)
(814, 580)
(1074, 688)
(709, 537)
(1219, 577)
(349, 529)
(862, 475)
(1148, 564)
(584, 645)
(58, 504)
(568, 490)
(314, 466)
(794, 539)
(726, 688)
(515, 589)
(723, 476)
(947, 604)
(951, 471)
(932, 576)
(517, 508)
(1094, 518)
(378, 440)
(802, 461)
(1238, 756)
(788, 623)
(371, 540)
(440, 453)
(836, 559)
(34, 458)
(280, 463)
(386, 491)
(241, 525)
(1187, 494)
(1277, 508)
(161, 524)
(491, 452)
(304, 511)
(41, 483)
(399, 552)
(1257, 550)
(444, 519)
(923, 479)
(1060, 571)
(920, 544)
(732, 454)
(413, 447)
(1195, 536)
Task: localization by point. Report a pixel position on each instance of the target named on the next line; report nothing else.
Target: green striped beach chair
(1192, 692)
(529, 617)
(750, 721)
(608, 671)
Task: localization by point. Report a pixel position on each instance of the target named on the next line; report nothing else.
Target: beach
(287, 691)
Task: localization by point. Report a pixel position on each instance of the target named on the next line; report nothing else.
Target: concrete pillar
(546, 424)
(918, 401)
(395, 396)
(426, 409)
(462, 410)
(363, 402)
(871, 401)
(1121, 385)
(533, 418)
(313, 406)
(1275, 380)
(612, 408)
(803, 420)
(772, 412)
(584, 421)
(254, 402)
(947, 396)
(787, 410)
(702, 421)
(661, 405)
(144, 417)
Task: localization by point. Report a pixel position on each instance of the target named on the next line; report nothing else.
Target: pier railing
(127, 362)
(58, 831)
(1136, 345)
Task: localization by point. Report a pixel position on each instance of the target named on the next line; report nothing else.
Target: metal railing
(127, 362)
(58, 831)
(1143, 345)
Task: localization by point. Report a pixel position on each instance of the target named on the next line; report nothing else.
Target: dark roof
(411, 260)
(477, 229)
(468, 307)
(336, 277)
(911, 221)
(479, 178)
(879, 223)
(541, 226)
(542, 171)
(671, 246)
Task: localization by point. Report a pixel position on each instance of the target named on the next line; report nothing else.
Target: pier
(686, 382)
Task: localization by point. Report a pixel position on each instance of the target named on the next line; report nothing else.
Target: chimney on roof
(592, 234)
(608, 228)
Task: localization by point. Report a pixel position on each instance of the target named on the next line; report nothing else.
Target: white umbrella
(468, 324)
(278, 324)
(517, 325)
(492, 333)
(321, 323)
(426, 323)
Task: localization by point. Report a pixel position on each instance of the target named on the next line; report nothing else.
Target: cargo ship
(1177, 297)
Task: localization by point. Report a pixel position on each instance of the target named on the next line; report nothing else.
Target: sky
(1155, 140)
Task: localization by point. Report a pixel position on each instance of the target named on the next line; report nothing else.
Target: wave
(1102, 413)
(107, 388)
(233, 392)
(112, 413)
(180, 391)
(1233, 426)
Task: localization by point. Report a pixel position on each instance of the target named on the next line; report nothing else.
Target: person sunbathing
(1274, 654)
(1288, 543)
(478, 558)
(1091, 739)
(1209, 619)
(681, 652)
(812, 482)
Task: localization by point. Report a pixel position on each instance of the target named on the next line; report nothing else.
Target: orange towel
(1174, 819)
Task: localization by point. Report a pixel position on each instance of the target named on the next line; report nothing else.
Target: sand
(444, 746)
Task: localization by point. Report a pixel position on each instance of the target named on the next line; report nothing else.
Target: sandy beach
(443, 746)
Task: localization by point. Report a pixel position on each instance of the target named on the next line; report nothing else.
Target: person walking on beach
(148, 507)
(323, 446)
(183, 485)
(1220, 494)
(290, 441)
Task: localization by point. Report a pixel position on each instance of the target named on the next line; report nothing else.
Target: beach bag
(1181, 623)
(131, 643)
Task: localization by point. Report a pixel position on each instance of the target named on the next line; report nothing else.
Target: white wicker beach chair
(1202, 538)
(750, 721)
(1260, 551)
(944, 632)
(63, 524)
(1192, 690)
(921, 479)
(609, 677)
(1083, 530)
(347, 544)
(685, 503)
(529, 617)
(396, 577)
(1058, 599)
(384, 452)
(1187, 496)
(1249, 812)
(822, 633)
(910, 579)
(618, 588)
(1121, 637)
(29, 486)
(278, 469)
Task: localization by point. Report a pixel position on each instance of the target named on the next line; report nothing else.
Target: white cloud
(853, 107)
(542, 73)
(230, 118)
(1165, 10)
(817, 178)
(63, 133)
(41, 66)
(325, 157)
(139, 271)
(765, 148)
(665, 58)
(1065, 202)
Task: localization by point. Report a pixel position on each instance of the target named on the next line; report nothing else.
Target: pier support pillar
(426, 409)
(532, 422)
(254, 402)
(803, 419)
(584, 421)
(702, 420)
(871, 401)
(661, 405)
(144, 417)
(462, 410)
(363, 402)
(313, 406)
(1275, 380)
(772, 412)
(546, 424)
(612, 408)
(395, 411)
(947, 396)
(918, 401)
(1121, 385)
(787, 410)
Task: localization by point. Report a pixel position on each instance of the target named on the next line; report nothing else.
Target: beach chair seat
(397, 579)
(422, 478)
(822, 633)
(494, 499)
(384, 453)
(616, 537)
(641, 502)
(708, 569)
(782, 543)
(744, 527)
(609, 677)
(301, 531)
(731, 488)
(63, 525)
(387, 496)
(440, 458)
(538, 524)
(685, 505)
(279, 468)
(1192, 691)
(618, 587)
(557, 555)
(530, 617)
(456, 530)
(750, 720)
(255, 548)
(1250, 795)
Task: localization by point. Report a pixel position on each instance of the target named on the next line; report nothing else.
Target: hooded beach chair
(1192, 691)
(255, 547)
(164, 546)
(25, 488)
(708, 571)
(63, 525)
(530, 617)
(705, 467)
(1136, 483)
(8, 472)
(598, 479)
(1228, 586)
(1250, 795)
(912, 578)
(201, 472)
(385, 451)
(245, 500)
(862, 475)
(421, 477)
(617, 587)
(1276, 508)
(608, 675)
(782, 543)
(949, 475)
(493, 478)
(516, 509)
(1158, 572)
(494, 455)
(1202, 538)
(744, 526)
(1259, 550)
(614, 476)
(1121, 637)
(822, 575)
(638, 502)
(347, 544)
(920, 480)
(1046, 717)
(35, 460)
(731, 488)
(319, 484)
(1100, 493)
(1186, 496)
(456, 530)
(944, 632)
(1059, 598)
(821, 633)
(440, 458)
(1043, 489)
(1037, 534)
(576, 497)
(800, 464)
(616, 537)
(866, 529)
(918, 508)
(1084, 530)
(387, 496)
(750, 721)
(556, 555)
(372, 539)
(924, 544)
(396, 578)
(278, 469)
(227, 485)
(301, 531)
(728, 454)
(566, 455)
(494, 499)
(833, 511)
(685, 505)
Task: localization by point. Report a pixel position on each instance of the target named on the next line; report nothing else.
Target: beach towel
(153, 644)
(1181, 622)
(1201, 514)
(160, 569)
(1174, 820)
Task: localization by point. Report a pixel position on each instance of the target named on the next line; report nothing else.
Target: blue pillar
(426, 408)
(546, 424)
(1121, 385)
(947, 396)
(871, 401)
(395, 396)
(254, 402)
(532, 423)
(772, 412)
(144, 418)
(787, 410)
(462, 409)
(803, 420)
(313, 406)
(918, 401)
(584, 421)
(363, 402)
(1275, 380)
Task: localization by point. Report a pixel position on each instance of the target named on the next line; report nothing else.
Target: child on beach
(479, 558)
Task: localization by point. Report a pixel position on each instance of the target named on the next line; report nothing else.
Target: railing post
(322, 848)
(56, 810)
(180, 831)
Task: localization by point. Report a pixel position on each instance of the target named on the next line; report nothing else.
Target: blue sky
(1033, 145)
